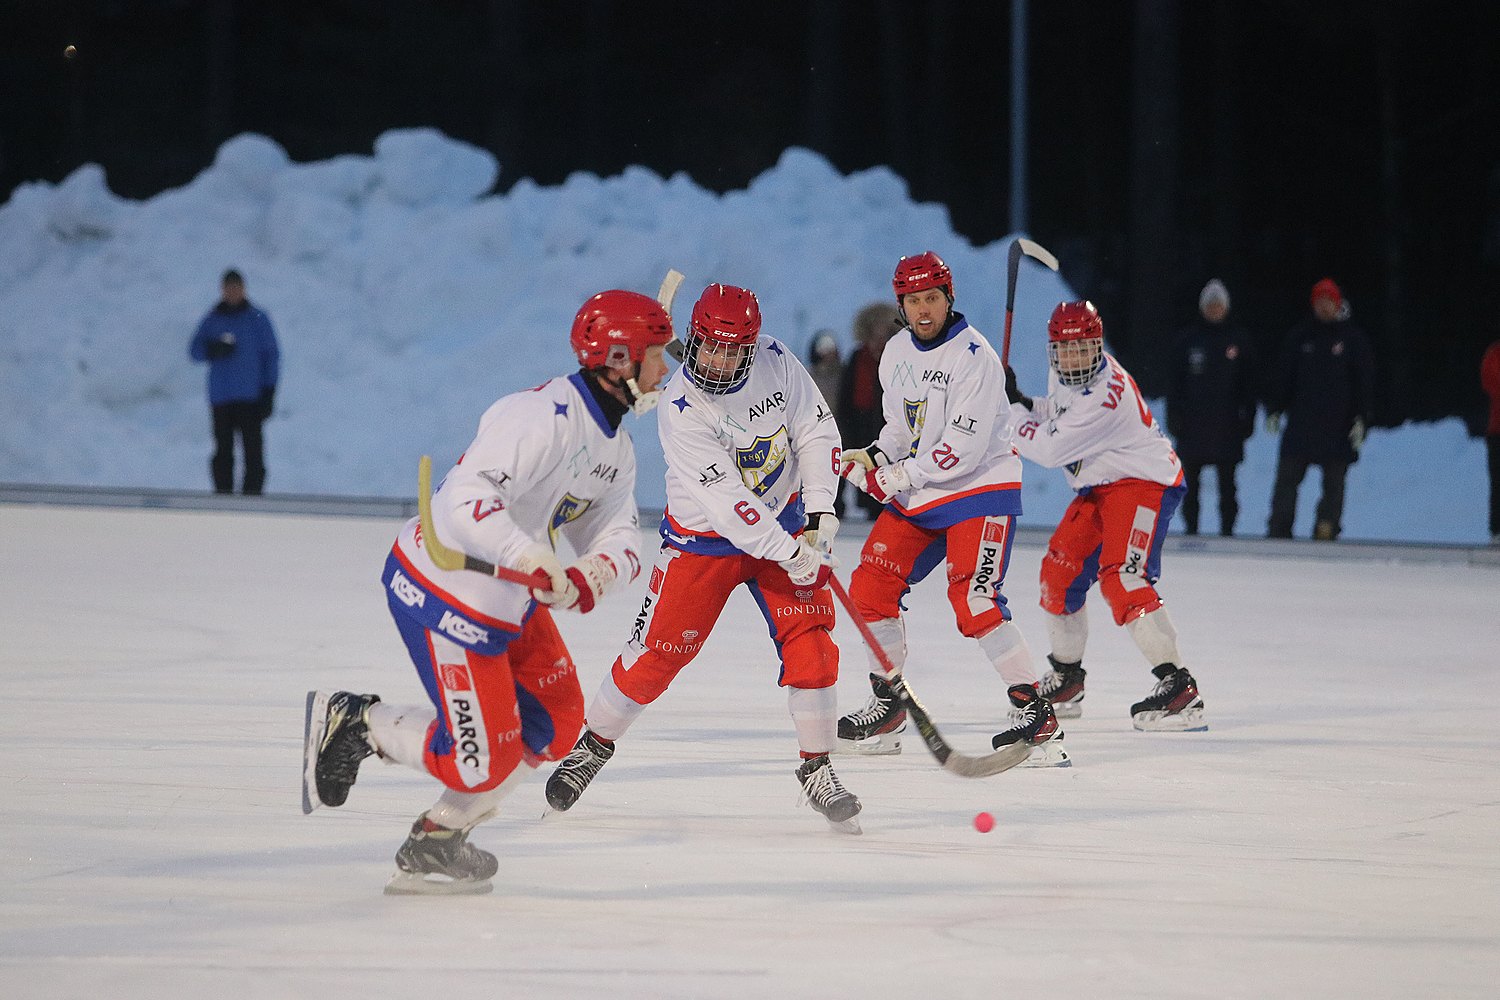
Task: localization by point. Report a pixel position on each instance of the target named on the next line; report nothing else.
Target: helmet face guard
(721, 338)
(1075, 342)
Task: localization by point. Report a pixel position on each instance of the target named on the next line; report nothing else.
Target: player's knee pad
(876, 591)
(1129, 596)
(1060, 573)
(475, 762)
(810, 660)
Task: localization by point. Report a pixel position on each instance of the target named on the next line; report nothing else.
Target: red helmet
(615, 327)
(1076, 323)
(726, 317)
(920, 272)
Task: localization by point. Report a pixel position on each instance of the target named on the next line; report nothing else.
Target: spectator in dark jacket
(1211, 404)
(244, 362)
(1324, 383)
(858, 411)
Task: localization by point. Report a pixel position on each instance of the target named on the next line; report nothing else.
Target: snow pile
(407, 298)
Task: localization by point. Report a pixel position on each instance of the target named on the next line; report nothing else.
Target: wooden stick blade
(442, 557)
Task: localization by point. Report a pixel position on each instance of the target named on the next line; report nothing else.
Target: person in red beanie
(1489, 377)
(1324, 385)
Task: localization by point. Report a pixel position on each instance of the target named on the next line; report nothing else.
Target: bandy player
(547, 463)
(750, 445)
(945, 466)
(1094, 424)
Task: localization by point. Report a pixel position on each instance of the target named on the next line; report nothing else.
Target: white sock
(612, 711)
(1156, 637)
(1006, 647)
(815, 713)
(1069, 634)
(461, 810)
(399, 732)
(890, 634)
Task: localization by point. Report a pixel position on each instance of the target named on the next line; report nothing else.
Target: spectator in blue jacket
(237, 341)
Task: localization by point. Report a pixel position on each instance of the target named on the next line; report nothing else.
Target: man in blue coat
(1325, 385)
(237, 341)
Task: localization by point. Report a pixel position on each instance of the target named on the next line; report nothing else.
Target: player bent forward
(750, 444)
(547, 462)
(1094, 423)
(945, 467)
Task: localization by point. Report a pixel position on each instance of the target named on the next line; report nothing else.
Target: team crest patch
(763, 463)
(916, 416)
(569, 508)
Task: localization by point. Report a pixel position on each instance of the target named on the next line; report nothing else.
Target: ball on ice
(984, 822)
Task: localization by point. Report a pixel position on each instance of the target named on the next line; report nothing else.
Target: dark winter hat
(232, 276)
(1327, 289)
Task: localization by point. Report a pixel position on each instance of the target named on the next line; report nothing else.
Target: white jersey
(544, 465)
(743, 466)
(947, 423)
(1099, 433)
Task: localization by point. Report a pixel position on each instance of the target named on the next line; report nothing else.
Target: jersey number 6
(747, 513)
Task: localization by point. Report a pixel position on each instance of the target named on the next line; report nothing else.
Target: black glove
(1013, 390)
(220, 347)
(267, 402)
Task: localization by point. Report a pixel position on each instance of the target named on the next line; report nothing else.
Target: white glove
(809, 567)
(866, 458)
(883, 483)
(590, 576)
(821, 528)
(1273, 423)
(538, 558)
(1357, 433)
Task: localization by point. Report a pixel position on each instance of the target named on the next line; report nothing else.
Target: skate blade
(849, 826)
(413, 884)
(1049, 754)
(1068, 709)
(1189, 720)
(313, 727)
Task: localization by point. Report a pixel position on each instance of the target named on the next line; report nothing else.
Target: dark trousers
(1229, 503)
(1493, 444)
(1330, 513)
(243, 419)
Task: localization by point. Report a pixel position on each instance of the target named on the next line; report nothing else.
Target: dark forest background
(1270, 143)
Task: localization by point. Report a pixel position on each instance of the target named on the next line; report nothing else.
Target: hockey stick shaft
(951, 760)
(1019, 248)
(446, 558)
(665, 295)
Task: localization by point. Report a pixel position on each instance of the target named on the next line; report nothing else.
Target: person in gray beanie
(1211, 403)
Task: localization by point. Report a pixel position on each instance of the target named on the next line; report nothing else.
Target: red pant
(1113, 533)
(496, 711)
(897, 554)
(685, 597)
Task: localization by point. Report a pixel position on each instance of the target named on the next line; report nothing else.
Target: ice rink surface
(1336, 832)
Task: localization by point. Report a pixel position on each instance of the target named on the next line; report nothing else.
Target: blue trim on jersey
(593, 404)
(791, 520)
(435, 613)
(990, 503)
(958, 325)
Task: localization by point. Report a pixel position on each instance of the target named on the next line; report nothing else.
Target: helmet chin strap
(641, 403)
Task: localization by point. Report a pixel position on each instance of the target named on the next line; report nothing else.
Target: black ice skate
(1063, 686)
(576, 770)
(876, 728)
(333, 744)
(438, 861)
(1173, 706)
(822, 790)
(1033, 721)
